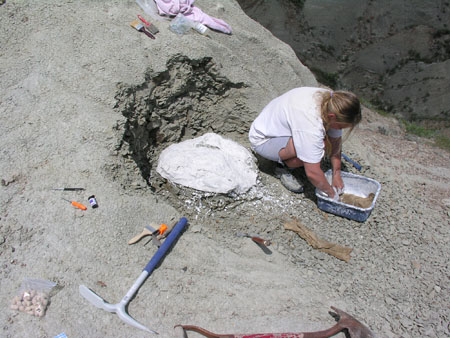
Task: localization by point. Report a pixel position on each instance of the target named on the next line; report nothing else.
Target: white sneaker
(288, 180)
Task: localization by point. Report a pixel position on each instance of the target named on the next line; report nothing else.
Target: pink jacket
(187, 8)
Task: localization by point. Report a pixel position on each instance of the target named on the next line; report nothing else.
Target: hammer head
(119, 308)
(355, 328)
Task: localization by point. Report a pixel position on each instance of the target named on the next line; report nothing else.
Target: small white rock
(26, 295)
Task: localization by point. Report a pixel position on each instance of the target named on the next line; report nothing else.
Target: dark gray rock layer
(393, 53)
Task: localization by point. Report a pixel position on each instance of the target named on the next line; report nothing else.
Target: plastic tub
(353, 184)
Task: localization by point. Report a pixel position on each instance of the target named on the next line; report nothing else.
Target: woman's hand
(317, 178)
(338, 183)
(335, 159)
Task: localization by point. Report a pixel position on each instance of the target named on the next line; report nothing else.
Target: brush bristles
(152, 29)
(137, 25)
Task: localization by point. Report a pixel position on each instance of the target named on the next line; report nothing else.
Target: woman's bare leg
(289, 155)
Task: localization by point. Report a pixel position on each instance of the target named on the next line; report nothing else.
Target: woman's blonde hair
(345, 106)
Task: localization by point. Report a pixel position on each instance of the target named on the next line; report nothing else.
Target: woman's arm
(335, 159)
(316, 175)
(317, 178)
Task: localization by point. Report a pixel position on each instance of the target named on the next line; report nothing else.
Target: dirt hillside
(87, 101)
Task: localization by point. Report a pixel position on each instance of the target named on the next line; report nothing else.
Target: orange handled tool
(76, 204)
(162, 229)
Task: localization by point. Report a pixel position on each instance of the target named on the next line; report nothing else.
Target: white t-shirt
(295, 114)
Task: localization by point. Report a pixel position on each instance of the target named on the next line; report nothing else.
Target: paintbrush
(141, 28)
(148, 25)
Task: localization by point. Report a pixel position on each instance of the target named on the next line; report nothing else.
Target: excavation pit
(191, 98)
(187, 100)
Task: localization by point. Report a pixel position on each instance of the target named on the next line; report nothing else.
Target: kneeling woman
(298, 127)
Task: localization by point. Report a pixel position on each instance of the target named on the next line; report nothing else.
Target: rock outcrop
(393, 53)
